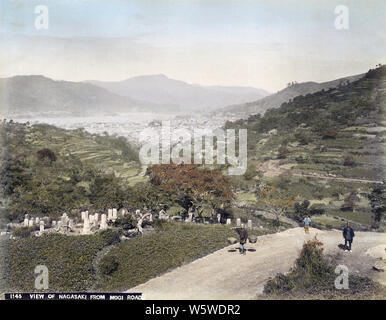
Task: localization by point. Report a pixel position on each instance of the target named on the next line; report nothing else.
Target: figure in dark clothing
(348, 235)
(243, 233)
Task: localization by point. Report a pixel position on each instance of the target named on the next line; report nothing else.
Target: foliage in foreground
(172, 245)
(313, 275)
(68, 259)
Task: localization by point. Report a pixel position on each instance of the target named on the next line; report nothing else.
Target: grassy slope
(174, 244)
(89, 149)
(70, 259)
(352, 110)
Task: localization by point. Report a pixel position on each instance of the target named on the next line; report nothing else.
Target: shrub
(108, 265)
(317, 209)
(110, 236)
(127, 222)
(283, 152)
(349, 161)
(330, 134)
(312, 274)
(23, 232)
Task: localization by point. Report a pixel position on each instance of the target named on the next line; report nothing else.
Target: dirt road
(225, 274)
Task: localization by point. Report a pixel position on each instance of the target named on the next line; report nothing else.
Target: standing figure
(307, 222)
(348, 235)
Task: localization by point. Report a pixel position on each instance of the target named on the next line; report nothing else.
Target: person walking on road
(307, 222)
(243, 233)
(348, 235)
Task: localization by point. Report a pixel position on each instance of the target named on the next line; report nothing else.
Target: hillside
(87, 170)
(325, 148)
(38, 95)
(178, 94)
(275, 100)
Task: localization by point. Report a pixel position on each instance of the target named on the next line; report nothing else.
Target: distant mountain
(178, 94)
(24, 95)
(285, 95)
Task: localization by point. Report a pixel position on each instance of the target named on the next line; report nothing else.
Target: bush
(283, 152)
(312, 274)
(349, 161)
(110, 236)
(108, 265)
(317, 209)
(127, 222)
(23, 232)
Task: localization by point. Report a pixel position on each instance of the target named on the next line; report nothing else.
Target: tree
(194, 188)
(301, 209)
(377, 199)
(350, 202)
(275, 200)
(283, 152)
(349, 161)
(46, 154)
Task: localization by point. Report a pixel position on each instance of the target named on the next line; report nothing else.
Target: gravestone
(122, 212)
(151, 217)
(228, 221)
(86, 226)
(31, 222)
(218, 218)
(91, 218)
(83, 215)
(26, 222)
(103, 221)
(110, 214)
(115, 214)
(41, 230)
(71, 224)
(37, 220)
(238, 222)
(96, 217)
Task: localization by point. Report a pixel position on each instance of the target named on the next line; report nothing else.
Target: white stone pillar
(71, 225)
(31, 222)
(26, 222)
(37, 220)
(228, 221)
(218, 218)
(250, 224)
(41, 230)
(83, 215)
(151, 217)
(238, 222)
(86, 226)
(103, 221)
(96, 217)
(110, 214)
(115, 214)
(91, 218)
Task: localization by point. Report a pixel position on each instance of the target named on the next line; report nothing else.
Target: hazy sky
(256, 43)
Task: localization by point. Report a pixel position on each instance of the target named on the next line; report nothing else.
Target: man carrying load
(243, 233)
